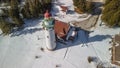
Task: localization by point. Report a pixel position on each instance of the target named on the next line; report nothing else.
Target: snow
(70, 15)
(19, 50)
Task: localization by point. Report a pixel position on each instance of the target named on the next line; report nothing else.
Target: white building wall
(50, 39)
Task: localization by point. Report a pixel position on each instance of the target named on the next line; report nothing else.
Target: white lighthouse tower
(48, 24)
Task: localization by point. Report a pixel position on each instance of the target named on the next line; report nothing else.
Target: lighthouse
(48, 25)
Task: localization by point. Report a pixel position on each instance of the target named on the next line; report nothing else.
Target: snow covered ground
(71, 15)
(21, 50)
(27, 48)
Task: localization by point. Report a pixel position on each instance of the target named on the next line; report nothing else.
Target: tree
(1, 1)
(25, 11)
(111, 13)
(14, 3)
(82, 6)
(35, 8)
(107, 2)
(31, 9)
(89, 7)
(14, 10)
(14, 13)
(5, 26)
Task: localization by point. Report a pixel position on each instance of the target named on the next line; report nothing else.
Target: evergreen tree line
(82, 6)
(13, 14)
(35, 8)
(111, 13)
(31, 9)
(4, 1)
(7, 1)
(6, 26)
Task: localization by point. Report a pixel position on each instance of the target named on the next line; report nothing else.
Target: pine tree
(18, 21)
(32, 11)
(82, 6)
(111, 13)
(5, 1)
(5, 26)
(29, 10)
(14, 3)
(35, 8)
(14, 13)
(25, 11)
(47, 4)
(107, 2)
(89, 6)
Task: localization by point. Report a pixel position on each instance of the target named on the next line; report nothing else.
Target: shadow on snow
(28, 28)
(82, 40)
(26, 31)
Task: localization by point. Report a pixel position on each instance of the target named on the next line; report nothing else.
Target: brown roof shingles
(61, 29)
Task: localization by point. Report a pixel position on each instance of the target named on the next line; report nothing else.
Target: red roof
(47, 14)
(61, 29)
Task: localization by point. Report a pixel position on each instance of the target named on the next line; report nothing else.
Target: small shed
(61, 29)
(64, 31)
